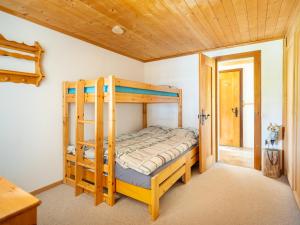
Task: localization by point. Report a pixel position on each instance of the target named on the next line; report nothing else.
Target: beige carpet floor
(224, 195)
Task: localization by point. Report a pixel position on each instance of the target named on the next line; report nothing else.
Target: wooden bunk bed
(98, 177)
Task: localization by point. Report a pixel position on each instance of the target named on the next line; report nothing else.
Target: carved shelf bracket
(34, 53)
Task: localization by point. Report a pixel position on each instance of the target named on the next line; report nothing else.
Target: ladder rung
(86, 121)
(91, 144)
(91, 165)
(86, 165)
(105, 196)
(86, 186)
(70, 157)
(70, 181)
(105, 168)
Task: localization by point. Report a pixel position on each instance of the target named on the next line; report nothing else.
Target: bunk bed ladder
(82, 164)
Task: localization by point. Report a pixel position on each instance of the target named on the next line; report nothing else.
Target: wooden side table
(271, 162)
(17, 207)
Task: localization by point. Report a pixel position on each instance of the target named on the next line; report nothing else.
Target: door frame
(240, 70)
(256, 55)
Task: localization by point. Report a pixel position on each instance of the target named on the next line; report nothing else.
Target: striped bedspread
(149, 148)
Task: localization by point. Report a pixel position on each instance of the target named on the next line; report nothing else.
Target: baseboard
(297, 198)
(40, 190)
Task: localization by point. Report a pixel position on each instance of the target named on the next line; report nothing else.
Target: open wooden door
(207, 112)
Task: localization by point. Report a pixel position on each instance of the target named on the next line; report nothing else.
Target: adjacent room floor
(236, 156)
(225, 195)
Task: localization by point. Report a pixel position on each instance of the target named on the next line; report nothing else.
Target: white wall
(181, 72)
(247, 101)
(31, 117)
(271, 79)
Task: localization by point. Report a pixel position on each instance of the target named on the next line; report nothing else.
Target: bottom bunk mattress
(133, 177)
(144, 153)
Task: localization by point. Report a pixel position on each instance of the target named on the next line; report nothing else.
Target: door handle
(203, 117)
(235, 111)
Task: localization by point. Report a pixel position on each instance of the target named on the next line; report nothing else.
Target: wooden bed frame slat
(141, 85)
(128, 98)
(139, 193)
(163, 175)
(164, 187)
(140, 98)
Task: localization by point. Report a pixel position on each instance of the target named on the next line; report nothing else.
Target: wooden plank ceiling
(158, 29)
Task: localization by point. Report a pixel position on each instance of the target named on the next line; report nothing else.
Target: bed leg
(154, 205)
(98, 198)
(187, 175)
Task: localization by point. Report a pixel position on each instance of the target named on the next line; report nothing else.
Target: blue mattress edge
(122, 89)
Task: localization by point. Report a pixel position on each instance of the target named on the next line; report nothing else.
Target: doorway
(236, 112)
(245, 127)
(208, 117)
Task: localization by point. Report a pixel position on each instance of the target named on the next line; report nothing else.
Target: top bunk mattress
(148, 149)
(131, 90)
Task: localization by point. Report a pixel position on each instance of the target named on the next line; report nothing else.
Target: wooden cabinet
(17, 207)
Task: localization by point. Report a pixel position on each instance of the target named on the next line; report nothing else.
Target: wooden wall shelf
(35, 54)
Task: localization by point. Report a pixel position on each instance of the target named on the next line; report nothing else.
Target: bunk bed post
(98, 175)
(145, 115)
(111, 140)
(180, 108)
(65, 131)
(154, 200)
(187, 175)
(79, 135)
